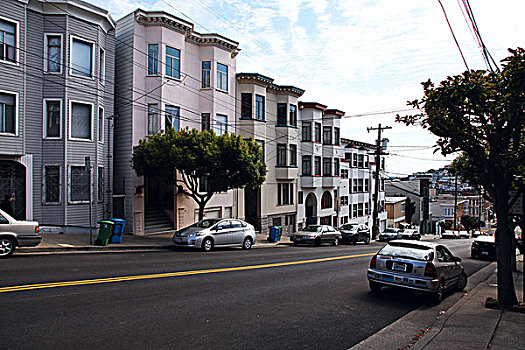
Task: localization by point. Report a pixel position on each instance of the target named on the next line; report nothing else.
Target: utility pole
(455, 201)
(378, 153)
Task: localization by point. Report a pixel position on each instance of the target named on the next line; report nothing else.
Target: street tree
(410, 210)
(481, 114)
(205, 163)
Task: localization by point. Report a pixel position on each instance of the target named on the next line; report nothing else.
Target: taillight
(430, 270)
(373, 262)
(37, 229)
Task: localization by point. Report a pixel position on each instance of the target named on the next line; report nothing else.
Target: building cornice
(357, 144)
(314, 105)
(268, 83)
(336, 112)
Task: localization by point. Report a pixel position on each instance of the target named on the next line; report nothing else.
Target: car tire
(295, 243)
(247, 244)
(367, 240)
(336, 241)
(462, 281)
(374, 286)
(207, 245)
(437, 296)
(7, 247)
(317, 242)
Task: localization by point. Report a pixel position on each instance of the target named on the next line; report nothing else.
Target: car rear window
(409, 251)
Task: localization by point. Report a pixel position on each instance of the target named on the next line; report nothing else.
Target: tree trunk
(504, 249)
(201, 204)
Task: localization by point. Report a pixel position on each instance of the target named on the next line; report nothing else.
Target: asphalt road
(321, 304)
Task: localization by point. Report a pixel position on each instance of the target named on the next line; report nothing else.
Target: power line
(453, 35)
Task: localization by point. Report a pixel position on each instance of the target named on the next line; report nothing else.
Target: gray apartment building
(56, 110)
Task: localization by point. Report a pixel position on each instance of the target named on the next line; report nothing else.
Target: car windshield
(390, 230)
(348, 226)
(312, 229)
(205, 223)
(409, 251)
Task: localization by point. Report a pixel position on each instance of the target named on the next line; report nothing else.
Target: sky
(364, 57)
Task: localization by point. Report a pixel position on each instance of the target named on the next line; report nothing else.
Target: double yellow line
(170, 274)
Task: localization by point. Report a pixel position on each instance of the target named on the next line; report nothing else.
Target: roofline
(268, 82)
(315, 105)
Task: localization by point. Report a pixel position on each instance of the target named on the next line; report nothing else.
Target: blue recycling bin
(275, 234)
(118, 230)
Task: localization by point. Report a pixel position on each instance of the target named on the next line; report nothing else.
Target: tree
(206, 163)
(481, 114)
(469, 222)
(410, 210)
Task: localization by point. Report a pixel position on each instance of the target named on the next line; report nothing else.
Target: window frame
(155, 61)
(82, 201)
(261, 143)
(326, 200)
(327, 166)
(100, 189)
(16, 113)
(166, 113)
(246, 106)
(100, 130)
(260, 107)
(222, 123)
(293, 155)
(318, 166)
(292, 115)
(327, 131)
(306, 132)
(90, 42)
(225, 81)
(102, 66)
(44, 121)
(170, 66)
(282, 120)
(306, 165)
(70, 115)
(205, 122)
(317, 133)
(44, 184)
(281, 155)
(208, 74)
(17, 43)
(46, 52)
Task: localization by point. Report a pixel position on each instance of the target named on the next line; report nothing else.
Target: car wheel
(207, 245)
(336, 241)
(462, 281)
(7, 247)
(438, 294)
(374, 286)
(367, 240)
(317, 241)
(247, 244)
(295, 243)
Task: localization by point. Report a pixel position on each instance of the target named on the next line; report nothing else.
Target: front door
(13, 182)
(222, 234)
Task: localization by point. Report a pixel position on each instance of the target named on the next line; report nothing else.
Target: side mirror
(218, 228)
(457, 259)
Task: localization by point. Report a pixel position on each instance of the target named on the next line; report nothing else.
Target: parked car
(409, 233)
(421, 266)
(483, 247)
(353, 233)
(16, 233)
(464, 234)
(210, 233)
(478, 233)
(388, 234)
(316, 234)
(450, 234)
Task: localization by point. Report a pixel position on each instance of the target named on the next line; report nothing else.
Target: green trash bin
(104, 232)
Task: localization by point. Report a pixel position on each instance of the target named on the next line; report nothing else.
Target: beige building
(395, 208)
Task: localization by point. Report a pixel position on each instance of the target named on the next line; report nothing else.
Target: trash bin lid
(117, 220)
(106, 222)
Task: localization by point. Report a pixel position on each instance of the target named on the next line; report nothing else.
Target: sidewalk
(460, 322)
(79, 242)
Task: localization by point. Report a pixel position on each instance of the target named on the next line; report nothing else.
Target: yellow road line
(170, 274)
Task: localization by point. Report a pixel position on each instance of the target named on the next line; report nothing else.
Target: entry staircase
(157, 222)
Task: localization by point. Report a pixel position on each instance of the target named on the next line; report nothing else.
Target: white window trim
(17, 51)
(16, 112)
(227, 77)
(92, 73)
(44, 184)
(210, 87)
(163, 72)
(99, 138)
(44, 115)
(70, 167)
(159, 60)
(69, 120)
(46, 35)
(102, 76)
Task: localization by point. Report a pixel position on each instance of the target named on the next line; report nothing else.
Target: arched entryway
(311, 209)
(13, 181)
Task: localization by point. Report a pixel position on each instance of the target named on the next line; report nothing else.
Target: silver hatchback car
(423, 266)
(209, 233)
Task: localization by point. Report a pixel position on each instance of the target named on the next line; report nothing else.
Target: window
(403, 207)
(327, 167)
(153, 59)
(259, 107)
(367, 162)
(360, 209)
(307, 165)
(360, 185)
(281, 155)
(221, 124)
(367, 185)
(261, 143)
(307, 131)
(81, 57)
(100, 184)
(281, 114)
(172, 118)
(205, 122)
(300, 197)
(53, 53)
(206, 75)
(8, 41)
(336, 136)
(327, 135)
(51, 184)
(354, 163)
(317, 132)
(360, 161)
(367, 208)
(326, 200)
(203, 184)
(355, 186)
(336, 166)
(293, 115)
(153, 118)
(172, 62)
(318, 166)
(354, 210)
(284, 194)
(246, 105)
(102, 66)
(81, 121)
(52, 118)
(80, 184)
(100, 124)
(222, 77)
(293, 155)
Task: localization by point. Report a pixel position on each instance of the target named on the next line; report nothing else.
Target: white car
(464, 234)
(450, 234)
(16, 233)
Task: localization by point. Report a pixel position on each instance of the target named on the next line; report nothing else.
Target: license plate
(484, 253)
(398, 267)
